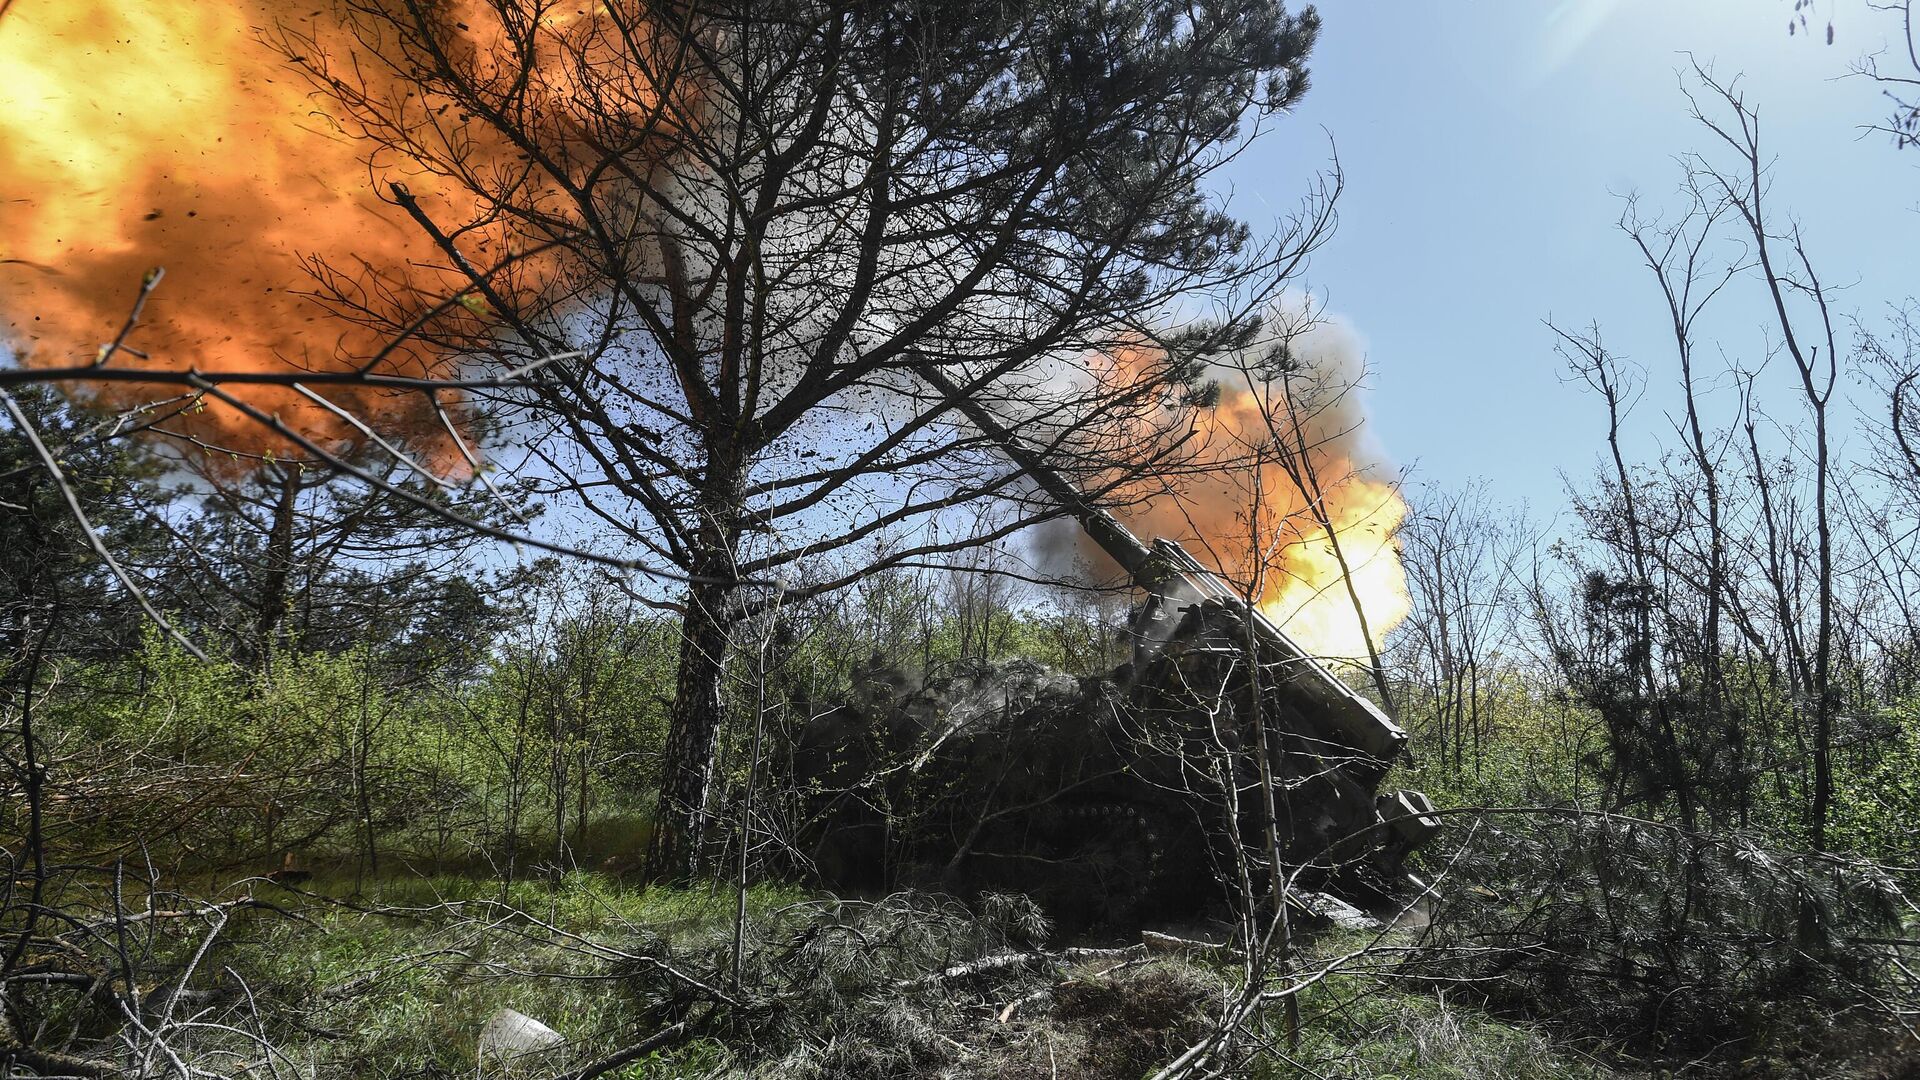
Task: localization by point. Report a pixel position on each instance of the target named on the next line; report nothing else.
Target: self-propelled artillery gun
(1120, 798)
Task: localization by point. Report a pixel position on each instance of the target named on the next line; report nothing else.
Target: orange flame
(160, 134)
(156, 133)
(1252, 504)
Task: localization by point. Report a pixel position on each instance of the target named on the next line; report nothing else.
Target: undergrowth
(400, 985)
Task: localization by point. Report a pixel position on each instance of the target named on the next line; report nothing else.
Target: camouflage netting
(1009, 778)
(1101, 798)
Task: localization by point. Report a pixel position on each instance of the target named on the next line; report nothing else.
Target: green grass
(403, 990)
(1356, 1030)
(1364, 1022)
(386, 993)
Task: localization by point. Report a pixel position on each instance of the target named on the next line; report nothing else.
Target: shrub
(1658, 942)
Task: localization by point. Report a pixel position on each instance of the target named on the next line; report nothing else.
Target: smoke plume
(1284, 458)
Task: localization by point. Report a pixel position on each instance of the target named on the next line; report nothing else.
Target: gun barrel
(1115, 539)
(1169, 571)
(1367, 729)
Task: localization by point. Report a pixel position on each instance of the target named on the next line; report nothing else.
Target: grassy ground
(1361, 1025)
(399, 984)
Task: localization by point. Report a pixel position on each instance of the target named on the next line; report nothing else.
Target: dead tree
(1804, 319)
(1460, 561)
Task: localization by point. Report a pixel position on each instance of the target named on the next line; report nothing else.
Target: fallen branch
(1016, 1004)
(648, 1045)
(1169, 945)
(15, 1051)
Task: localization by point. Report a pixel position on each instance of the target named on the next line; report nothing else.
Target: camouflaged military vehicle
(1106, 799)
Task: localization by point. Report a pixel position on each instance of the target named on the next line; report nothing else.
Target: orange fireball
(1281, 463)
(161, 134)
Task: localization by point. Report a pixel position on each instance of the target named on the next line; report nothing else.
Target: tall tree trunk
(1823, 646)
(680, 818)
(362, 758)
(679, 827)
(33, 774)
(559, 768)
(581, 796)
(277, 567)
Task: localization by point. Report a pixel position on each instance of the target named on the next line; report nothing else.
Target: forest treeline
(417, 708)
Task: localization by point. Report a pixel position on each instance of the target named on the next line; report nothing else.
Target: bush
(1876, 805)
(1660, 944)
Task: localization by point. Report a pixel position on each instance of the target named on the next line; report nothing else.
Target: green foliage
(1877, 799)
(220, 765)
(1529, 750)
(323, 759)
(411, 989)
(1355, 1028)
(532, 764)
(1663, 944)
(701, 1057)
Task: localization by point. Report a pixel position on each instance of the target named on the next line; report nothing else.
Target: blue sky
(1485, 146)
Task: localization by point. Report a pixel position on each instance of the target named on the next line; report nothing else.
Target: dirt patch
(1123, 1026)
